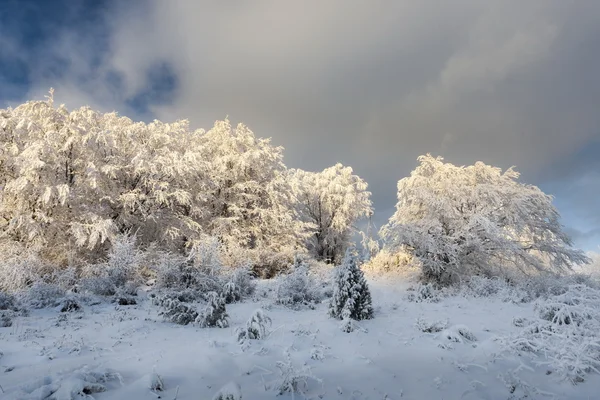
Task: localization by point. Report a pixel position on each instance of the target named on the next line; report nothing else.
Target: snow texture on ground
(121, 352)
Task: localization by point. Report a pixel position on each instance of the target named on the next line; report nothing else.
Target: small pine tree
(351, 295)
(214, 314)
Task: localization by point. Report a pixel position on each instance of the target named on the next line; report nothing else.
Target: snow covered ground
(389, 357)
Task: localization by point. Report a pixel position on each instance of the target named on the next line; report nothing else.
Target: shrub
(297, 288)
(214, 314)
(256, 327)
(7, 301)
(70, 305)
(125, 301)
(155, 382)
(73, 384)
(173, 271)
(240, 285)
(458, 333)
(398, 263)
(43, 295)
(429, 326)
(6, 318)
(120, 273)
(19, 268)
(177, 312)
(424, 293)
(566, 333)
(293, 380)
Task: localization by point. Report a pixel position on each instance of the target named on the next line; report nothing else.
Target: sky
(371, 84)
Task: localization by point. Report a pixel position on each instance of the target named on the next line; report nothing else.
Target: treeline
(73, 181)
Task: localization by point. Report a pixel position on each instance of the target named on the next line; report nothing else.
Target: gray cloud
(375, 84)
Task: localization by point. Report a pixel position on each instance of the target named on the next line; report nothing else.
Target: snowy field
(122, 348)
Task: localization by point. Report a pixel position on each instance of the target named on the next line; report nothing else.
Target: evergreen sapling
(351, 297)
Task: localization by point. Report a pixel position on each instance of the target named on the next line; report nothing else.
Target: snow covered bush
(79, 384)
(591, 270)
(98, 285)
(575, 306)
(351, 293)
(70, 305)
(552, 285)
(256, 327)
(231, 391)
(175, 311)
(293, 380)
(430, 326)
(231, 293)
(464, 221)
(184, 296)
(522, 290)
(214, 313)
(125, 300)
(426, 292)
(120, 272)
(42, 295)
(124, 260)
(19, 267)
(458, 334)
(566, 334)
(478, 286)
(6, 318)
(7, 301)
(398, 263)
(297, 288)
(179, 274)
(240, 284)
(155, 382)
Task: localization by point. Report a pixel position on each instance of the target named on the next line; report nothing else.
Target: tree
(332, 201)
(248, 201)
(461, 221)
(351, 296)
(72, 181)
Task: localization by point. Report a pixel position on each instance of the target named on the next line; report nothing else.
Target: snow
(121, 350)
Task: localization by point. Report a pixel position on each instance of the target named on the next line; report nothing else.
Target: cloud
(369, 84)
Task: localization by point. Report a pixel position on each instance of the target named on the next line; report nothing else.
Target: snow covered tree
(248, 199)
(351, 296)
(74, 180)
(332, 201)
(71, 181)
(476, 220)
